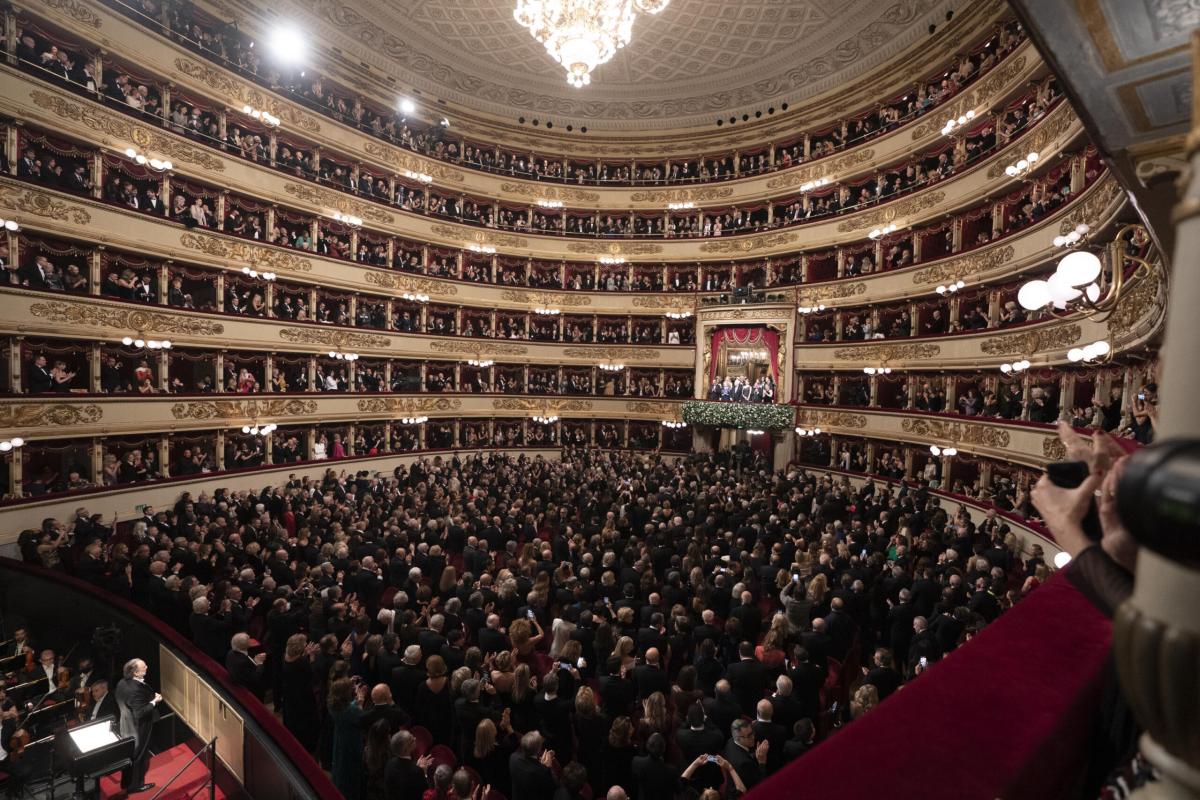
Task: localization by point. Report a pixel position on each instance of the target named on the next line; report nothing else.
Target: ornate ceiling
(694, 62)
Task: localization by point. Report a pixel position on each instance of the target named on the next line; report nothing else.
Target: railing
(209, 751)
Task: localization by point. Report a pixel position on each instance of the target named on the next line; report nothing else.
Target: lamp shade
(1034, 295)
(1079, 268)
(1062, 291)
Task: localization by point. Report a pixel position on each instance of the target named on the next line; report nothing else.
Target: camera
(1158, 498)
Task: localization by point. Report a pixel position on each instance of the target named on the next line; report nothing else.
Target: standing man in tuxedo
(136, 704)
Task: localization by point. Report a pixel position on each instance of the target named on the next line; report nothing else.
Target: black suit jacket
(749, 679)
(531, 780)
(744, 763)
(107, 707)
(403, 780)
(654, 778)
(650, 680)
(245, 672)
(136, 707)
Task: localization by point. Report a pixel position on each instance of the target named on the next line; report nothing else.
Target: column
(219, 450)
(164, 453)
(94, 361)
(269, 373)
(220, 291)
(97, 174)
(95, 261)
(97, 465)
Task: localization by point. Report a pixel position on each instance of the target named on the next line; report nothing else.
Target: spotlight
(287, 45)
(407, 106)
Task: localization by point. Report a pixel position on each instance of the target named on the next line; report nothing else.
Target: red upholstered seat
(443, 755)
(424, 739)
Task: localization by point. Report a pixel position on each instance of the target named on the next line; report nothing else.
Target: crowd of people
(741, 389)
(619, 625)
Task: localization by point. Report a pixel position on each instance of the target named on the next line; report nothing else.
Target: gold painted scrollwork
(124, 319)
(408, 405)
(334, 339)
(45, 415)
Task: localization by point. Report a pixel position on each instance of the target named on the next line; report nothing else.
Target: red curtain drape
(745, 337)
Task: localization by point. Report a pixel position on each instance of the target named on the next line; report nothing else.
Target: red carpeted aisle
(162, 768)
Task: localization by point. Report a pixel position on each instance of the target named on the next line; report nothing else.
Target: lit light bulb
(1034, 295)
(935, 450)
(1075, 354)
(128, 340)
(17, 441)
(5, 447)
(1061, 559)
(1079, 268)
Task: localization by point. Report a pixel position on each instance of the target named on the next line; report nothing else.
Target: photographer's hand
(1063, 511)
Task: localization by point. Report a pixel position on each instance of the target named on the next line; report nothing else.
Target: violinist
(13, 739)
(19, 645)
(85, 675)
(47, 667)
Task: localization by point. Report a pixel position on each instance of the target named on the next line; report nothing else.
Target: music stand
(92, 751)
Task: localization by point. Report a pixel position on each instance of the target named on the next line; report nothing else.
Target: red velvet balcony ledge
(1006, 716)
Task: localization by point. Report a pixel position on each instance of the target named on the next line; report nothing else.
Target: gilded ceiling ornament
(887, 352)
(334, 339)
(339, 201)
(890, 212)
(1053, 449)
(614, 248)
(660, 409)
(77, 11)
(243, 409)
(540, 191)
(748, 244)
(478, 349)
(408, 405)
(463, 234)
(246, 94)
(1034, 341)
(127, 131)
(267, 258)
(409, 283)
(957, 432)
(40, 204)
(551, 406)
(698, 195)
(401, 160)
(811, 417)
(964, 266)
(368, 38)
(612, 353)
(45, 415)
(1044, 133)
(822, 169)
(98, 316)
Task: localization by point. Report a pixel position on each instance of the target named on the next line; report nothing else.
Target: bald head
(381, 695)
(652, 656)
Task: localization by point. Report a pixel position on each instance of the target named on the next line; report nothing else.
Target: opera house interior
(599, 399)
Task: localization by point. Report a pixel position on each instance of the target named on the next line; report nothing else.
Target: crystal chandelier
(583, 34)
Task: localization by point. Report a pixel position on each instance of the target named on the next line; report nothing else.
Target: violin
(17, 744)
(62, 679)
(83, 703)
(29, 659)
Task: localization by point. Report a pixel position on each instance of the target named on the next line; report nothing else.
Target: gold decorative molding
(657, 409)
(530, 404)
(981, 94)
(893, 211)
(829, 419)
(543, 299)
(957, 432)
(409, 283)
(612, 353)
(823, 169)
(40, 204)
(697, 195)
(401, 161)
(243, 409)
(335, 339)
(246, 94)
(77, 11)
(408, 405)
(45, 415)
(1040, 138)
(541, 191)
(478, 349)
(887, 352)
(1091, 211)
(268, 258)
(965, 266)
(1031, 342)
(338, 201)
(126, 131)
(748, 244)
(614, 248)
(834, 291)
(1134, 306)
(736, 312)
(1053, 449)
(124, 319)
(487, 237)
(664, 302)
